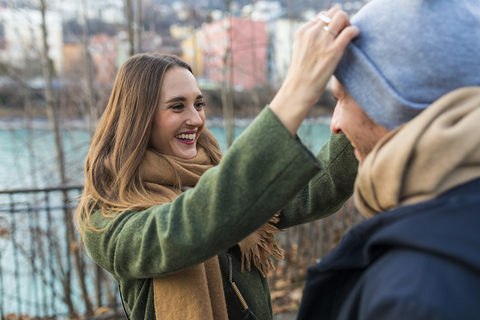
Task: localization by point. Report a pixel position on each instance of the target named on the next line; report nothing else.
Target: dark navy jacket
(414, 262)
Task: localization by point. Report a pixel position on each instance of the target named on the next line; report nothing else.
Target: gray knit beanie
(410, 53)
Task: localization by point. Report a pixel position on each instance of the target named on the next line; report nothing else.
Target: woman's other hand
(316, 54)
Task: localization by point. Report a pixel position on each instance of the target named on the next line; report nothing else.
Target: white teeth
(186, 136)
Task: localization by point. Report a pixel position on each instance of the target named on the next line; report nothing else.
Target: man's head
(409, 54)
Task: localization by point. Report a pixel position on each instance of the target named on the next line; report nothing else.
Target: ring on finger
(324, 18)
(333, 33)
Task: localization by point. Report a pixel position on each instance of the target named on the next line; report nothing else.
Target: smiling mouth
(186, 137)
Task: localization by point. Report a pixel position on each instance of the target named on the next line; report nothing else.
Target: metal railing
(44, 273)
(305, 244)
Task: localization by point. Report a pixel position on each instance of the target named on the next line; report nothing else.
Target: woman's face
(180, 118)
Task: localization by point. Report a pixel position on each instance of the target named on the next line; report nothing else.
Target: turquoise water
(27, 158)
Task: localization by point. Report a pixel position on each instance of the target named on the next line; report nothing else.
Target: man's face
(350, 119)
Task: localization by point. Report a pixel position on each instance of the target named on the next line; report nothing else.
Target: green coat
(262, 171)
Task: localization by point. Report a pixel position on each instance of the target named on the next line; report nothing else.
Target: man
(408, 90)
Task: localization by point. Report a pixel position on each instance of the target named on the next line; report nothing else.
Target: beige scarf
(436, 151)
(197, 292)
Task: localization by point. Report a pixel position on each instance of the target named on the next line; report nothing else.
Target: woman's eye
(177, 107)
(200, 105)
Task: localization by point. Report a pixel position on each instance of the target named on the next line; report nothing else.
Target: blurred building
(103, 54)
(151, 42)
(241, 43)
(73, 57)
(192, 53)
(123, 48)
(22, 35)
(181, 32)
(103, 50)
(283, 34)
(264, 10)
(109, 11)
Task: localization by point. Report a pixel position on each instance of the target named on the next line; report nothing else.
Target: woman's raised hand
(318, 47)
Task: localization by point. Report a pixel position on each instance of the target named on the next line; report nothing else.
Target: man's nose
(335, 123)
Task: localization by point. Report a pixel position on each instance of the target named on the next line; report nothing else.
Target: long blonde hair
(112, 175)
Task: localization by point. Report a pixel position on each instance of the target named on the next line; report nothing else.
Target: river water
(27, 157)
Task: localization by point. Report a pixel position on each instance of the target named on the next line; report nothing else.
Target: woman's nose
(194, 118)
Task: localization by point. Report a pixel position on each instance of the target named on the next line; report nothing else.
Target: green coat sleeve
(260, 173)
(329, 190)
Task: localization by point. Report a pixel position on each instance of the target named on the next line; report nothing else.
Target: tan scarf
(436, 151)
(197, 292)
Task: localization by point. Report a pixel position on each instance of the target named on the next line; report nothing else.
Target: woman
(148, 218)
